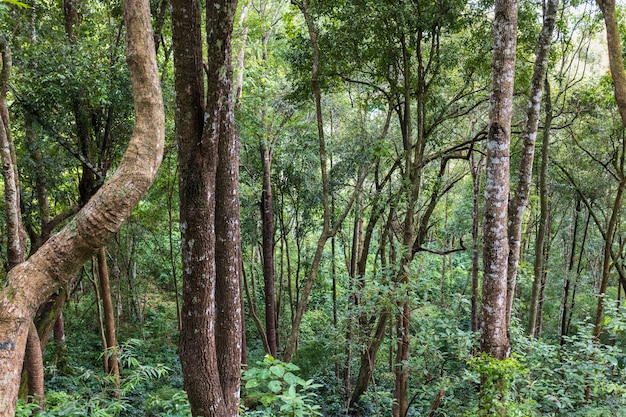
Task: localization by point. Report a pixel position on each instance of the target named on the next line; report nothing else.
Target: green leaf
(17, 3)
(277, 370)
(275, 386)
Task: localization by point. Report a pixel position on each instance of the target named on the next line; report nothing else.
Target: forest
(312, 208)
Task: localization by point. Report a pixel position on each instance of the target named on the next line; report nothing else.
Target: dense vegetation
(375, 176)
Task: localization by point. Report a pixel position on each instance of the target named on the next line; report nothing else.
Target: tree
(33, 281)
(16, 235)
(519, 201)
(618, 75)
(208, 155)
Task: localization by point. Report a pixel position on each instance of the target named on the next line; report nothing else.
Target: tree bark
(109, 317)
(544, 216)
(618, 74)
(267, 217)
(210, 346)
(33, 360)
(616, 60)
(33, 281)
(16, 235)
(476, 169)
(517, 206)
(494, 338)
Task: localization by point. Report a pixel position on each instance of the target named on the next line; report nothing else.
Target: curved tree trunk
(32, 282)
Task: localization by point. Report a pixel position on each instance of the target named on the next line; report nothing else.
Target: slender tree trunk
(564, 309)
(540, 243)
(33, 281)
(170, 223)
(616, 60)
(101, 326)
(542, 288)
(267, 218)
(327, 232)
(368, 356)
(607, 263)
(60, 349)
(518, 204)
(109, 317)
(476, 174)
(618, 74)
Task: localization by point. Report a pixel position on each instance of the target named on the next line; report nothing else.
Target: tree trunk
(109, 317)
(33, 360)
(476, 174)
(616, 60)
(494, 338)
(564, 308)
(607, 263)
(267, 218)
(540, 245)
(517, 206)
(16, 236)
(618, 74)
(33, 281)
(60, 350)
(210, 346)
(327, 232)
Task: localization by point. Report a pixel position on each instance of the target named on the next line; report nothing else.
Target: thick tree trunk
(517, 206)
(210, 347)
(35, 280)
(494, 338)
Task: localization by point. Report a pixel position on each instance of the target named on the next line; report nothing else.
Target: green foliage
(16, 3)
(168, 402)
(273, 390)
(93, 393)
(496, 378)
